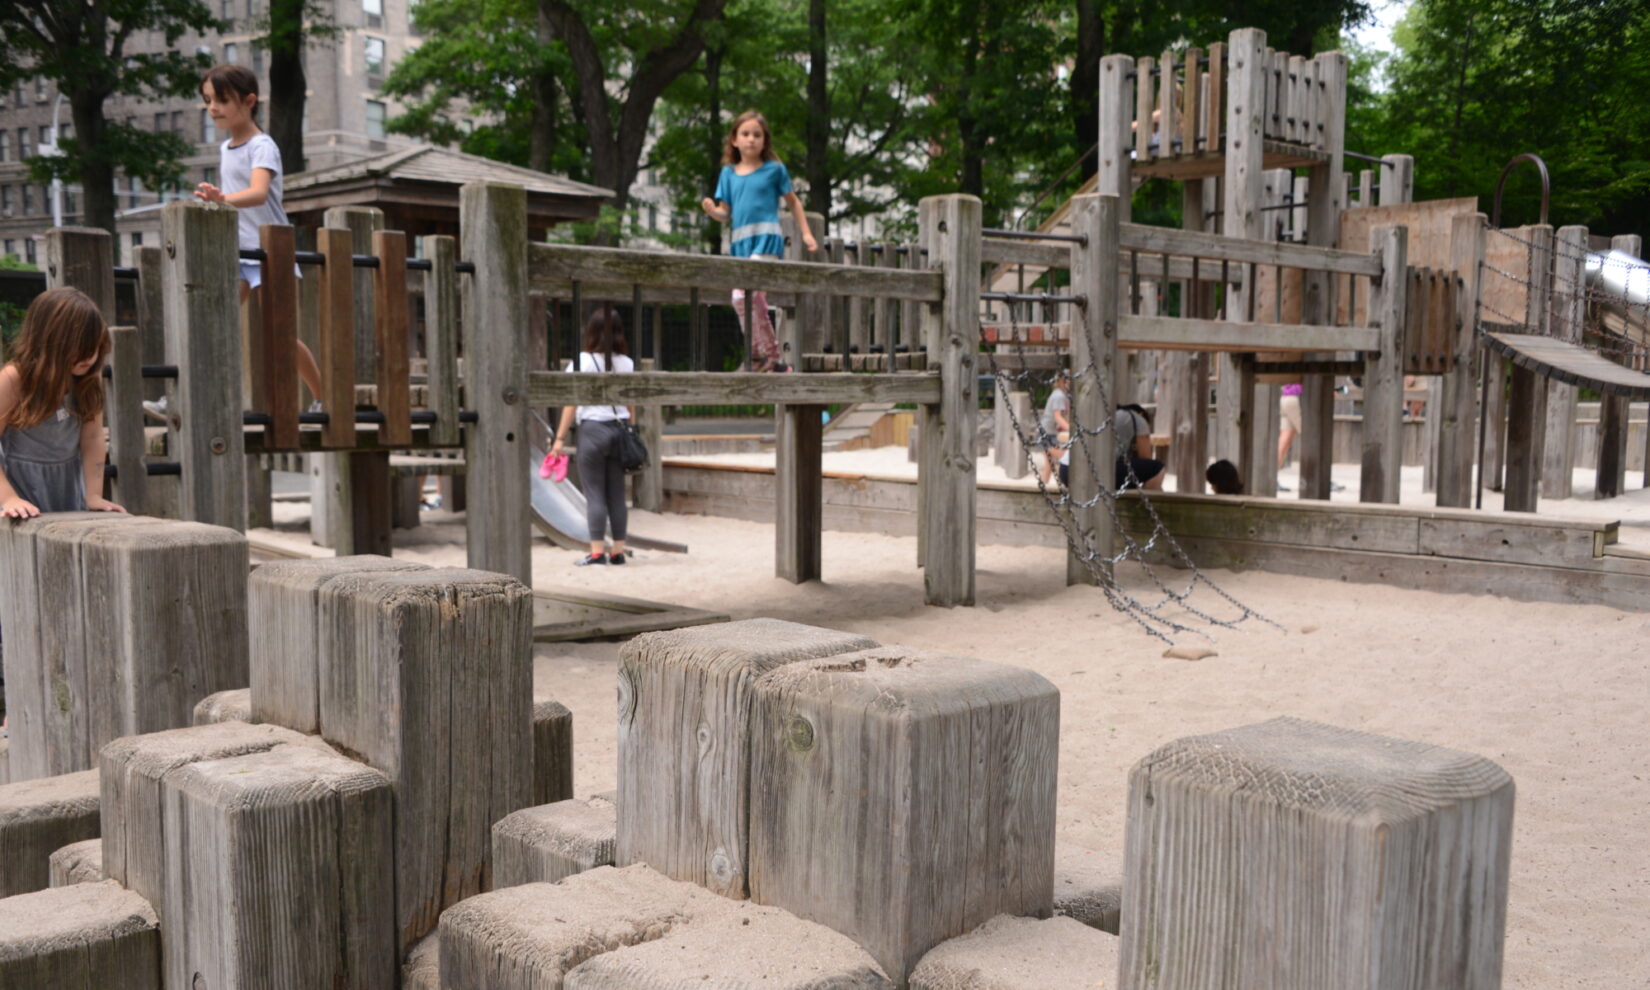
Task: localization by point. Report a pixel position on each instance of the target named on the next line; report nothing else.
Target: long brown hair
(604, 334)
(730, 154)
(62, 328)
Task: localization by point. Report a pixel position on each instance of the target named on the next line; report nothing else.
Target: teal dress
(43, 462)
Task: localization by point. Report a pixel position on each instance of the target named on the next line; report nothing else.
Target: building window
(24, 150)
(232, 53)
(66, 131)
(375, 120)
(137, 238)
(5, 145)
(206, 128)
(68, 201)
(210, 174)
(28, 200)
(228, 9)
(133, 191)
(5, 206)
(28, 250)
(45, 135)
(177, 122)
(160, 123)
(374, 48)
(11, 249)
(17, 91)
(40, 88)
(374, 9)
(257, 60)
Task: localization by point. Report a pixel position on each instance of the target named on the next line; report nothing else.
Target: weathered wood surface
(716, 273)
(498, 526)
(552, 750)
(275, 349)
(422, 970)
(123, 412)
(550, 842)
(90, 936)
(202, 306)
(77, 862)
(441, 337)
(83, 258)
(1569, 363)
(685, 739)
(287, 638)
(139, 847)
(741, 947)
(1096, 219)
(225, 706)
(427, 676)
(281, 873)
(37, 817)
(1088, 887)
(1384, 373)
(674, 388)
(1238, 250)
(97, 647)
(1568, 303)
(798, 544)
(1008, 953)
(1324, 857)
(1457, 404)
(1180, 334)
(906, 797)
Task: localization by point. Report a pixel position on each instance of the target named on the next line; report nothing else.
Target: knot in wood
(218, 445)
(799, 733)
(627, 699)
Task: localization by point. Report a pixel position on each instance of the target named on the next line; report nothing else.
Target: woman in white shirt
(601, 474)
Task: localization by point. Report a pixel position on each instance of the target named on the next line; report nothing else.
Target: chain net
(1612, 289)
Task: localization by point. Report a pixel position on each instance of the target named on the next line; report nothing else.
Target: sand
(1558, 695)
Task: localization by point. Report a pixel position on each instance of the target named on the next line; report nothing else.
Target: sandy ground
(1556, 694)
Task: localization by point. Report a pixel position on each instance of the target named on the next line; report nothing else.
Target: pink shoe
(554, 468)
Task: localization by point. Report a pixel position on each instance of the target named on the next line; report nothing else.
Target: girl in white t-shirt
(249, 166)
(601, 472)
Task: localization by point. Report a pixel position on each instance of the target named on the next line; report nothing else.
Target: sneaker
(595, 558)
(618, 558)
(430, 502)
(1336, 486)
(316, 407)
(155, 409)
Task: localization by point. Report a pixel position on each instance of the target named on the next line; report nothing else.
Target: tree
(289, 26)
(82, 46)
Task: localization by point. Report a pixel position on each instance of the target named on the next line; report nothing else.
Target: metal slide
(1622, 283)
(558, 507)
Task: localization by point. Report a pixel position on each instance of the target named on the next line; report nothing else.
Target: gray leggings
(602, 478)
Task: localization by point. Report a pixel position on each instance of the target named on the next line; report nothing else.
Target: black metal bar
(149, 371)
(1032, 297)
(422, 416)
(1366, 158)
(151, 468)
(123, 271)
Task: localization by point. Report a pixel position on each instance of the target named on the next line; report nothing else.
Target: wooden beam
(123, 412)
(1093, 359)
(390, 315)
(1569, 309)
(1325, 199)
(682, 388)
(1458, 402)
(441, 337)
(1116, 107)
(798, 542)
(83, 258)
(719, 273)
(1240, 250)
(1176, 334)
(1384, 371)
(276, 346)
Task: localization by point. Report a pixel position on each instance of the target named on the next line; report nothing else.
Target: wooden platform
(1204, 164)
(1570, 364)
(1516, 555)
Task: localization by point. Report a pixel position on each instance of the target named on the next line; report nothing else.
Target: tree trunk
(713, 86)
(541, 140)
(287, 84)
(972, 155)
(97, 176)
(1085, 80)
(819, 114)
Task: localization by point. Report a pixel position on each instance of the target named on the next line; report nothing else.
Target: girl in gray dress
(52, 444)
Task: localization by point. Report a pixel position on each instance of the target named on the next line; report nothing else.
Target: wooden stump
(282, 873)
(422, 970)
(91, 936)
(552, 841)
(284, 621)
(426, 675)
(137, 848)
(1088, 887)
(1322, 857)
(114, 625)
(225, 706)
(1021, 954)
(37, 817)
(552, 751)
(906, 797)
(77, 862)
(684, 742)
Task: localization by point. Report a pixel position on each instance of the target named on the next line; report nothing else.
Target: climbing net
(1610, 293)
(1165, 609)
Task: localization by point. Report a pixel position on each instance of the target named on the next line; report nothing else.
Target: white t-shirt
(235, 165)
(622, 365)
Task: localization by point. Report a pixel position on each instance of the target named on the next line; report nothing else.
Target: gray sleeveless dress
(43, 462)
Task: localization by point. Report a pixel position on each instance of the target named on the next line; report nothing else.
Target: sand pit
(1556, 694)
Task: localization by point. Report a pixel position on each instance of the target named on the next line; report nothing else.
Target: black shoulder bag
(632, 449)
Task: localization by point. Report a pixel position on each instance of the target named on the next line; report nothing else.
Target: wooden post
(1384, 369)
(338, 356)
(684, 743)
(390, 320)
(1325, 199)
(1397, 180)
(202, 278)
(804, 333)
(441, 338)
(650, 480)
(1526, 402)
(493, 222)
(123, 412)
(151, 295)
(1186, 373)
(275, 348)
(1612, 451)
(1116, 109)
(83, 257)
(946, 474)
(82, 936)
(1247, 68)
(1569, 310)
(798, 492)
(831, 767)
(1094, 268)
(1457, 400)
(1389, 870)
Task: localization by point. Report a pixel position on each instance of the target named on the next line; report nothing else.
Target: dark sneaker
(595, 558)
(618, 558)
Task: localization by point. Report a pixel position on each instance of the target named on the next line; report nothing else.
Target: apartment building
(345, 115)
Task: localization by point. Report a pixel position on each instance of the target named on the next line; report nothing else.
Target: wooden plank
(83, 258)
(1420, 837)
(1173, 333)
(123, 411)
(1278, 522)
(949, 427)
(1325, 206)
(798, 553)
(276, 349)
(82, 936)
(1215, 247)
(441, 338)
(1093, 358)
(336, 357)
(974, 839)
(1397, 182)
(1145, 96)
(1214, 126)
(498, 524)
(680, 388)
(1569, 310)
(1383, 422)
(391, 319)
(648, 487)
(1116, 109)
(1168, 106)
(1191, 108)
(202, 280)
(151, 316)
(719, 273)
(1498, 540)
(1457, 405)
(1002, 250)
(685, 738)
